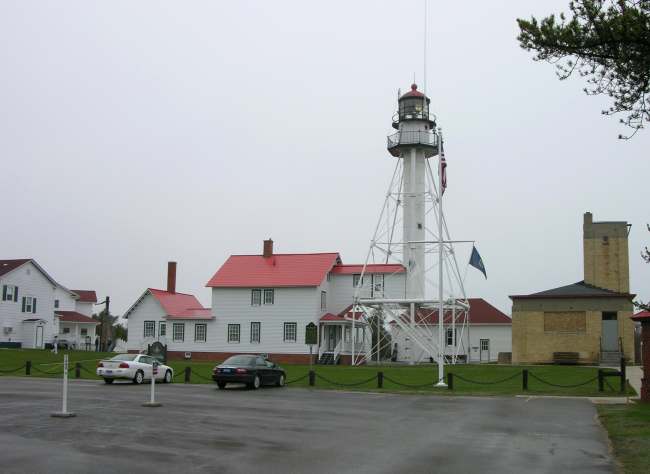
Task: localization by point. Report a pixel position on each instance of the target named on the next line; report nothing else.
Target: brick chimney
(171, 277)
(268, 249)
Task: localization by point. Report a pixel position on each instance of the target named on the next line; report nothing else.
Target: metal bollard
(188, 374)
(64, 413)
(28, 367)
(77, 370)
(524, 379)
(601, 381)
(152, 399)
(312, 378)
(380, 380)
(450, 381)
(623, 377)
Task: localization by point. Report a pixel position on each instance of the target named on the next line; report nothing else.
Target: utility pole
(103, 336)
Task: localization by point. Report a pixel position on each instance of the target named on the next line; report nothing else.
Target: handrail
(413, 137)
(337, 349)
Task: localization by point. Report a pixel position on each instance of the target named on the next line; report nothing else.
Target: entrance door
(39, 337)
(331, 338)
(484, 355)
(610, 332)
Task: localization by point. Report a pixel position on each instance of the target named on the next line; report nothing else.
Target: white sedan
(136, 367)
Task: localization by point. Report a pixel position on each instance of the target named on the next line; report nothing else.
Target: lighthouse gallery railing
(412, 138)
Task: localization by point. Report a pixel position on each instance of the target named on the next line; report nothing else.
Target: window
(9, 293)
(451, 337)
(356, 280)
(233, 333)
(84, 331)
(178, 332)
(377, 285)
(255, 332)
(66, 330)
(329, 276)
(290, 332)
(347, 333)
(162, 329)
(56, 303)
(323, 299)
(149, 329)
(485, 344)
(200, 332)
(609, 316)
(29, 304)
(268, 296)
(256, 297)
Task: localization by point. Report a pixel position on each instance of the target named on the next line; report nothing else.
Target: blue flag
(477, 262)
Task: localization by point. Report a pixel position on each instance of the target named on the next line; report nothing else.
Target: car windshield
(124, 357)
(240, 360)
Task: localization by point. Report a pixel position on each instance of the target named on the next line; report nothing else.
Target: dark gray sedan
(252, 370)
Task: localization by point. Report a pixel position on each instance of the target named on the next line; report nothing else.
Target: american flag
(443, 173)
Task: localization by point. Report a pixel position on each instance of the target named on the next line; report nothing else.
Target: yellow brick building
(590, 317)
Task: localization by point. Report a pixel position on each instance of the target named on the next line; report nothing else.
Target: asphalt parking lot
(202, 429)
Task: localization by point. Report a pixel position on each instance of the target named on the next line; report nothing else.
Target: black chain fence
(196, 374)
(45, 372)
(407, 385)
(351, 384)
(562, 385)
(299, 379)
(11, 371)
(494, 382)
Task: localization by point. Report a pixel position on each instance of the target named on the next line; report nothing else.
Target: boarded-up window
(565, 321)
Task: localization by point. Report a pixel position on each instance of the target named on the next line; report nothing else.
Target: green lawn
(628, 427)
(416, 378)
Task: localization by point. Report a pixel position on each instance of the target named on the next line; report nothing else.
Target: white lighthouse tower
(412, 231)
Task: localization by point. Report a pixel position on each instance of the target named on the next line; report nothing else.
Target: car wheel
(108, 381)
(139, 377)
(256, 382)
(221, 385)
(168, 377)
(280, 382)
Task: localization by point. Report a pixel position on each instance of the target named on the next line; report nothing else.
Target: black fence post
(601, 379)
(28, 367)
(380, 380)
(524, 379)
(623, 378)
(450, 381)
(77, 369)
(188, 374)
(312, 378)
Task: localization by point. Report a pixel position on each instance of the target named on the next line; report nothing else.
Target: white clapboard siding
(499, 336)
(343, 289)
(30, 282)
(148, 309)
(233, 306)
(85, 308)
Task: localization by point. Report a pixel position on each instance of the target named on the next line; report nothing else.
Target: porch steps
(327, 358)
(610, 358)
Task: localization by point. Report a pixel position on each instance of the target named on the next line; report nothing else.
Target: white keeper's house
(35, 308)
(262, 304)
(488, 333)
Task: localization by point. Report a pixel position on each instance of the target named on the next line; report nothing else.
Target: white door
(38, 342)
(484, 350)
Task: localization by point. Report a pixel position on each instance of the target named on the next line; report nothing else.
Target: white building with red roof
(35, 308)
(262, 304)
(488, 333)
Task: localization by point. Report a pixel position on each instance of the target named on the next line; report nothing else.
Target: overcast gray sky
(133, 133)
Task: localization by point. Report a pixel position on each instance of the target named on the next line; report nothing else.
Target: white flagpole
(441, 350)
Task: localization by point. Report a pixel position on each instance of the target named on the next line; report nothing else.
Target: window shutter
(34, 305)
(15, 293)
(23, 304)
(4, 292)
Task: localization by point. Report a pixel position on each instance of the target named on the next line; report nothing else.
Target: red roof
(641, 316)
(414, 92)
(345, 315)
(74, 317)
(7, 265)
(370, 268)
(86, 296)
(480, 312)
(180, 305)
(279, 270)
